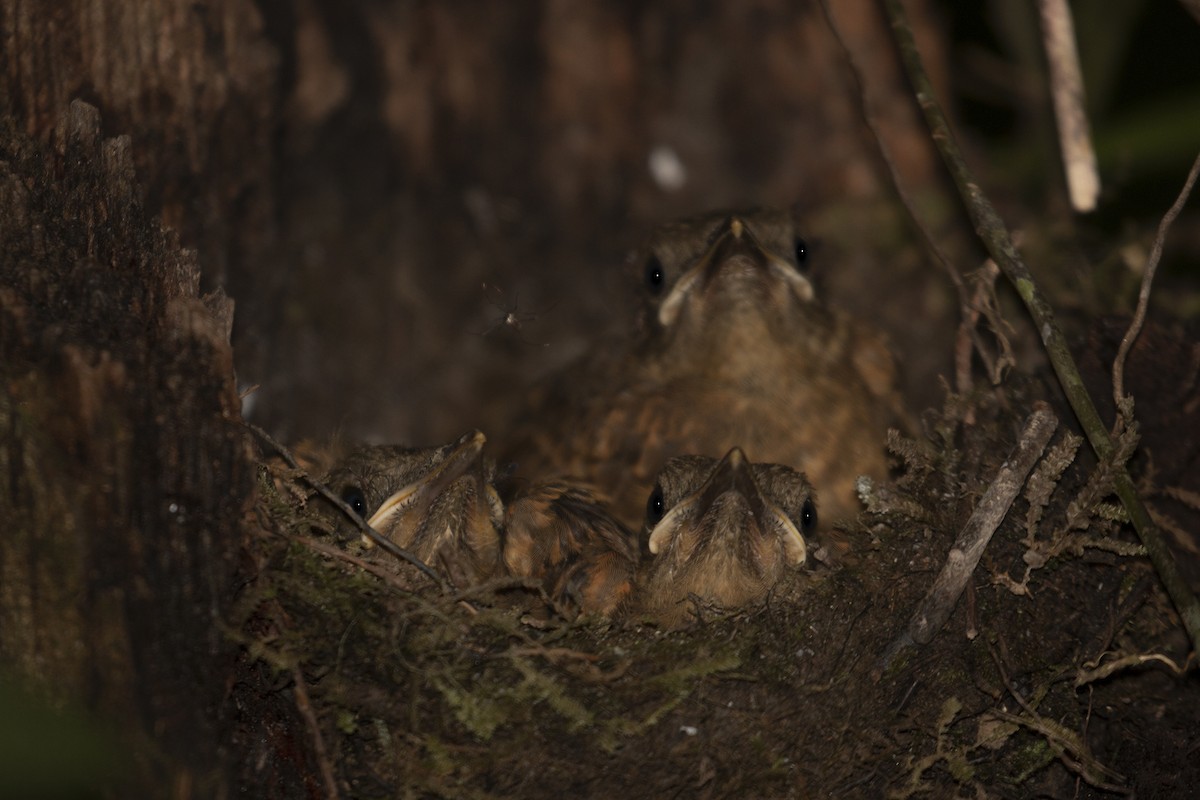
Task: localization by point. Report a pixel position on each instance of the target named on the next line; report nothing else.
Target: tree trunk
(126, 475)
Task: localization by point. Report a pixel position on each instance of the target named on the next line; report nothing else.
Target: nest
(411, 689)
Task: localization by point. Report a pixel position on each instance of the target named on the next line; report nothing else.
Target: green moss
(477, 710)
(1028, 758)
(347, 722)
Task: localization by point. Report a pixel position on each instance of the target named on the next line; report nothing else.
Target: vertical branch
(968, 314)
(991, 230)
(1066, 88)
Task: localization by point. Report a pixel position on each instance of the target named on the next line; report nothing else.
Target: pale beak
(463, 455)
(733, 473)
(736, 238)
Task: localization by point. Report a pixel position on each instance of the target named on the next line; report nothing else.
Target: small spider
(511, 316)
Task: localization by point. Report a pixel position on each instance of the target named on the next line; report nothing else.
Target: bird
(721, 532)
(448, 506)
(731, 347)
(439, 503)
(564, 534)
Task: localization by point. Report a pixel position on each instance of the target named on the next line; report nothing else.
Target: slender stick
(975, 535)
(1066, 87)
(968, 315)
(964, 556)
(1139, 317)
(304, 706)
(995, 237)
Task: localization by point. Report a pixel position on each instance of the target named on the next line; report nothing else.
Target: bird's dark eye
(808, 518)
(656, 276)
(800, 249)
(655, 507)
(354, 497)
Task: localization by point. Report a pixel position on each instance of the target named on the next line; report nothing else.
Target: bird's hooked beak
(732, 474)
(734, 243)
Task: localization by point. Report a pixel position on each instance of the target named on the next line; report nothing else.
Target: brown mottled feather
(564, 534)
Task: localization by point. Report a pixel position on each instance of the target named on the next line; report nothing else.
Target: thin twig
(385, 544)
(969, 315)
(329, 550)
(503, 583)
(995, 237)
(1071, 750)
(975, 535)
(1086, 676)
(1006, 680)
(971, 307)
(386, 575)
(1139, 317)
(576, 662)
(310, 717)
(1119, 617)
(1066, 89)
(964, 556)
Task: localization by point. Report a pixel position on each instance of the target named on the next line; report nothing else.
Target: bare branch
(1086, 676)
(1066, 88)
(1139, 317)
(993, 506)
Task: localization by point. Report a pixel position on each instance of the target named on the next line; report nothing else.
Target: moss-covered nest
(411, 690)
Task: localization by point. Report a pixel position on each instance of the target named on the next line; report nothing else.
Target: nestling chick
(436, 502)
(732, 349)
(564, 534)
(722, 533)
(441, 504)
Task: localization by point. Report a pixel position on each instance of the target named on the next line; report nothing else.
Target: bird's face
(725, 282)
(722, 532)
(437, 502)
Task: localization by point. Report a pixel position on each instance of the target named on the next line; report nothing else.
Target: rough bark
(126, 475)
